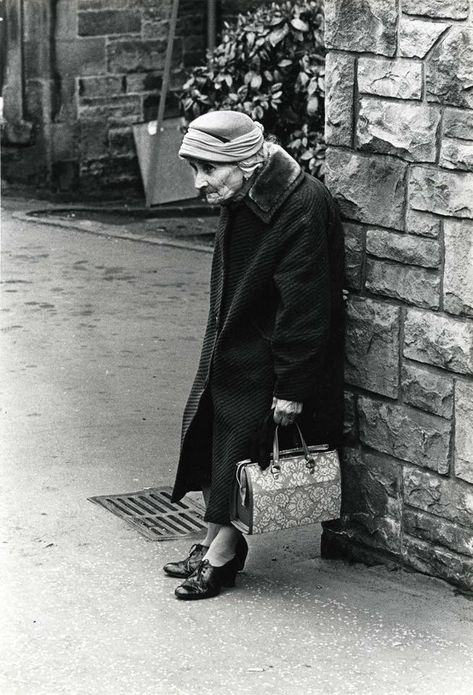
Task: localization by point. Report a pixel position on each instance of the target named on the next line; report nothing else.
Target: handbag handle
(305, 448)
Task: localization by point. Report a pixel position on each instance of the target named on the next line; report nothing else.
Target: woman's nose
(200, 180)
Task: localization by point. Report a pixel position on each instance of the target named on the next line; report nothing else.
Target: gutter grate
(152, 513)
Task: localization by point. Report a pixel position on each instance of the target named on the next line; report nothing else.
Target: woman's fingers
(282, 418)
(285, 412)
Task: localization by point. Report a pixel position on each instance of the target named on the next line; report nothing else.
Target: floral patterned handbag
(300, 486)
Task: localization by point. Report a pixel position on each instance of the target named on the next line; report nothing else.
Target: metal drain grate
(152, 513)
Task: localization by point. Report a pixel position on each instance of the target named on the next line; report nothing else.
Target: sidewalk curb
(111, 232)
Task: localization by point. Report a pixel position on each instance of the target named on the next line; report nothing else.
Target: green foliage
(270, 65)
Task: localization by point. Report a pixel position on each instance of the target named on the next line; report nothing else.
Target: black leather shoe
(184, 568)
(207, 580)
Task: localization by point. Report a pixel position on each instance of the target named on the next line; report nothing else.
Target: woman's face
(217, 182)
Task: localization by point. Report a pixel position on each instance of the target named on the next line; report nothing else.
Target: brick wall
(92, 68)
(120, 86)
(400, 161)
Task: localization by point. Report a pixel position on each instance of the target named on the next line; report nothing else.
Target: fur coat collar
(273, 184)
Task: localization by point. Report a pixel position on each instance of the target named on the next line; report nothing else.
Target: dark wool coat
(275, 327)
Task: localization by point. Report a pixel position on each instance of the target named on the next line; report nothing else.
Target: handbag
(300, 486)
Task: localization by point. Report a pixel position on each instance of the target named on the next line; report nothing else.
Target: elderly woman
(273, 347)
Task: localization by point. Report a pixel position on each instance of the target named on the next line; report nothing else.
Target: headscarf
(222, 136)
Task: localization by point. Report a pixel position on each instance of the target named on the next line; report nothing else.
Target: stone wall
(89, 70)
(92, 68)
(400, 161)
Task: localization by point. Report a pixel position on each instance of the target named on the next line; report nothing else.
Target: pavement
(99, 340)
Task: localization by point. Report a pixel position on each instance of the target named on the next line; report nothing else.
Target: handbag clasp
(310, 464)
(275, 470)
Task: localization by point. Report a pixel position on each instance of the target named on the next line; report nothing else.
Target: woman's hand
(285, 412)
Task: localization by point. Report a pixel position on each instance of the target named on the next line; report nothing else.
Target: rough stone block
(440, 191)
(458, 123)
(121, 142)
(135, 56)
(155, 29)
(403, 248)
(81, 57)
(403, 129)
(350, 177)
(350, 425)
(36, 62)
(372, 346)
(97, 87)
(157, 10)
(66, 100)
(373, 484)
(385, 535)
(65, 176)
(354, 235)
(439, 340)
(401, 78)
(456, 154)
(143, 82)
(464, 430)
(427, 390)
(422, 224)
(340, 80)
(93, 139)
(119, 110)
(374, 26)
(439, 562)
(416, 36)
(409, 284)
(103, 4)
(36, 100)
(30, 169)
(150, 107)
(106, 22)
(118, 174)
(372, 498)
(35, 18)
(63, 141)
(405, 433)
(445, 497)
(435, 530)
(448, 9)
(458, 270)
(449, 68)
(65, 20)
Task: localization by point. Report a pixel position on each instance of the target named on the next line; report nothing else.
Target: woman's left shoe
(207, 580)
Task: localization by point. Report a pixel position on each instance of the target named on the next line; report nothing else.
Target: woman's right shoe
(184, 568)
(207, 581)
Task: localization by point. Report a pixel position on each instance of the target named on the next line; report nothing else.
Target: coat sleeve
(302, 320)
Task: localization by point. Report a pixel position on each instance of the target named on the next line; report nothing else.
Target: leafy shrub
(270, 65)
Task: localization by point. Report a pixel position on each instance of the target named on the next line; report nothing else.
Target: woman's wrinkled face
(217, 182)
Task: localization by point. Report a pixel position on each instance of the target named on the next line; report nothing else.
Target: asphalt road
(99, 342)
